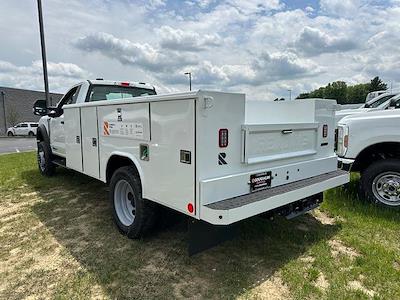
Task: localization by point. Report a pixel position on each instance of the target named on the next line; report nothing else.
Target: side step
(59, 161)
(251, 198)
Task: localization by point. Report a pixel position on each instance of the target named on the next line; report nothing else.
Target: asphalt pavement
(15, 145)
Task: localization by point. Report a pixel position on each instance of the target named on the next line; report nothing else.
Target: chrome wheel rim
(386, 188)
(41, 160)
(124, 202)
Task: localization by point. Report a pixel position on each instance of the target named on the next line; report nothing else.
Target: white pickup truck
(380, 102)
(209, 155)
(369, 143)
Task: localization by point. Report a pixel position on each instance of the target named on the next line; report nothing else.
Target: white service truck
(209, 155)
(369, 143)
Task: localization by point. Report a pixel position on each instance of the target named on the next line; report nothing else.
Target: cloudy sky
(260, 47)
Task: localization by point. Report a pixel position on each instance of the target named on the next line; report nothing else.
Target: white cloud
(256, 6)
(31, 77)
(340, 7)
(127, 52)
(177, 39)
(280, 66)
(313, 41)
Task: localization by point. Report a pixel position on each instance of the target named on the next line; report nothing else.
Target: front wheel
(10, 133)
(31, 134)
(133, 215)
(46, 166)
(380, 183)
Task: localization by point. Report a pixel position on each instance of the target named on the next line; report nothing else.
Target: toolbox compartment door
(73, 139)
(90, 141)
(278, 142)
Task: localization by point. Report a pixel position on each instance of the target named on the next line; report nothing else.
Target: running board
(59, 161)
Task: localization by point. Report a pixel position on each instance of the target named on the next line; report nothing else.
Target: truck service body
(210, 155)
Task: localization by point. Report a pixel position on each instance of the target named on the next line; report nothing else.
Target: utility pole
(290, 95)
(3, 96)
(190, 80)
(43, 45)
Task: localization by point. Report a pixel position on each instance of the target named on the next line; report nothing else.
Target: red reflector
(325, 131)
(125, 83)
(223, 138)
(190, 208)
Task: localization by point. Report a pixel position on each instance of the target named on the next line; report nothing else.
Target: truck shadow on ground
(78, 215)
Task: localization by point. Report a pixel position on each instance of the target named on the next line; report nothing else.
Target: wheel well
(376, 152)
(115, 162)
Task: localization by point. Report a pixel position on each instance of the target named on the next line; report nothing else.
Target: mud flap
(203, 235)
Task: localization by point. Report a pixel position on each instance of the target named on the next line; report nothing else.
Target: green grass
(57, 240)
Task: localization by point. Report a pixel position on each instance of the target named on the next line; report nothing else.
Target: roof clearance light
(125, 83)
(325, 131)
(223, 138)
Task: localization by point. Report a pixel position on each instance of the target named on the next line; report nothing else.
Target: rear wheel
(10, 133)
(380, 183)
(31, 134)
(133, 215)
(44, 156)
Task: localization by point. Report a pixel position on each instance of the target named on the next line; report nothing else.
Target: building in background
(16, 106)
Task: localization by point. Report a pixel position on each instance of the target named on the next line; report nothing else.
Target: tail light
(124, 83)
(325, 131)
(223, 138)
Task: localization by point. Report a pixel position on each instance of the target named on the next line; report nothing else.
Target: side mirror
(40, 108)
(367, 105)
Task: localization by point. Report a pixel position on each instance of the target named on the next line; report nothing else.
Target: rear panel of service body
(284, 138)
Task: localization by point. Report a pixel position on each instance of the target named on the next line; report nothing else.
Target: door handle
(94, 142)
(62, 122)
(287, 131)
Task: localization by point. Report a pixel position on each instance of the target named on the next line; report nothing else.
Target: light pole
(43, 45)
(290, 95)
(3, 96)
(190, 80)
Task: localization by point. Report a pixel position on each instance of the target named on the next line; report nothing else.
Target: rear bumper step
(234, 209)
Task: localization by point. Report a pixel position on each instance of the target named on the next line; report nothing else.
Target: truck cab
(51, 124)
(369, 143)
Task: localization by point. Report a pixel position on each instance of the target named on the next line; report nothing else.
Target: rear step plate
(240, 201)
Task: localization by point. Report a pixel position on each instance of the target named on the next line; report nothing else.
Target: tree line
(346, 94)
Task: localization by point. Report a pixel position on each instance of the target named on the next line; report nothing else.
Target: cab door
(57, 133)
(17, 129)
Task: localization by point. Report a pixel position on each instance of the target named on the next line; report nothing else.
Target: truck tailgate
(272, 142)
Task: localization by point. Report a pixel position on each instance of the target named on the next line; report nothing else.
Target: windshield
(108, 92)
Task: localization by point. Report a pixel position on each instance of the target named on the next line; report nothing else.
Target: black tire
(144, 217)
(10, 133)
(47, 168)
(371, 182)
(31, 134)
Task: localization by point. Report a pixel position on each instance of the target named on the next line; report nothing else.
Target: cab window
(103, 92)
(70, 97)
